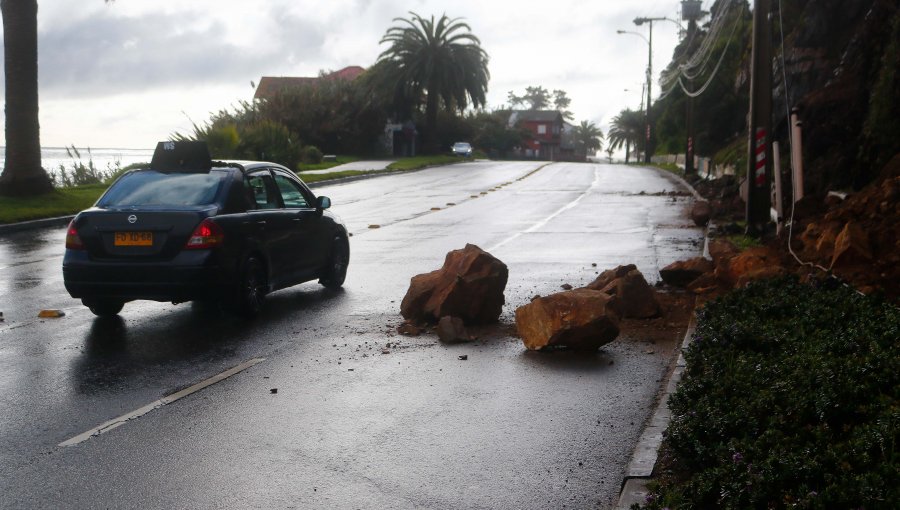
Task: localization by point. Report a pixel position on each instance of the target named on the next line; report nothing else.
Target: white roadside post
(778, 210)
(797, 154)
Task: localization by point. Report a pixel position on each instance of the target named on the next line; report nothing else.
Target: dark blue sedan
(188, 228)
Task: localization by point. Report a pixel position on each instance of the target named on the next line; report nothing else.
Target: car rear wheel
(251, 290)
(104, 307)
(336, 269)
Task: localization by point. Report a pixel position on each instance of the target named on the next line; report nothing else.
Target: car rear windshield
(151, 188)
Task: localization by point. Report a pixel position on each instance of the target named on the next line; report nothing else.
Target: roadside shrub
(311, 155)
(119, 170)
(80, 172)
(223, 141)
(270, 141)
(790, 399)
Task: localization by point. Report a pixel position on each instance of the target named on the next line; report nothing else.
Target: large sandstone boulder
(851, 246)
(635, 298)
(747, 261)
(580, 318)
(470, 286)
(609, 275)
(683, 272)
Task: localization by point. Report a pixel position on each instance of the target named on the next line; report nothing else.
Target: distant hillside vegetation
(841, 61)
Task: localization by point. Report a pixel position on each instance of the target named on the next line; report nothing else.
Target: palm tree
(443, 60)
(626, 129)
(22, 171)
(588, 138)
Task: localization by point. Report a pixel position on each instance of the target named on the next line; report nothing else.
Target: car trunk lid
(126, 234)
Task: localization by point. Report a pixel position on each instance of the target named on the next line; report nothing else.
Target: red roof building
(546, 132)
(271, 85)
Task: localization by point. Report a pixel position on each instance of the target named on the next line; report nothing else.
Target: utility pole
(759, 147)
(648, 145)
(648, 142)
(691, 11)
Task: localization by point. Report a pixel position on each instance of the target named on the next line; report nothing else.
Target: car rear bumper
(189, 276)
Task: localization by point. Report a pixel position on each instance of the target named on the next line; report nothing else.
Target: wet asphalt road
(354, 423)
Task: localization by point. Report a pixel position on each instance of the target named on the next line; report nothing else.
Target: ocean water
(104, 159)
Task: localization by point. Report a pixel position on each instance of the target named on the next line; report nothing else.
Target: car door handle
(261, 223)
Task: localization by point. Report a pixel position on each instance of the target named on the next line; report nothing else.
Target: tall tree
(442, 60)
(22, 171)
(536, 97)
(626, 129)
(588, 138)
(539, 98)
(561, 102)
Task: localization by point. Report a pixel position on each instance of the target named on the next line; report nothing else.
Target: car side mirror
(323, 203)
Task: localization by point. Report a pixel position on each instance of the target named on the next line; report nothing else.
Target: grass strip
(59, 202)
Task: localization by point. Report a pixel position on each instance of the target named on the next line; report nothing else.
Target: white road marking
(137, 413)
(546, 220)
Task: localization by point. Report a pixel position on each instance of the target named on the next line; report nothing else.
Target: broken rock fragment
(683, 272)
(606, 277)
(580, 318)
(635, 298)
(409, 329)
(452, 330)
(470, 286)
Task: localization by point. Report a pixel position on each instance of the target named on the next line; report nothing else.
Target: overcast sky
(128, 74)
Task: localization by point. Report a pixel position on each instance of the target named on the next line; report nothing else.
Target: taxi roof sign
(181, 157)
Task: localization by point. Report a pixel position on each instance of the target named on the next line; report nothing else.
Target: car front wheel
(336, 269)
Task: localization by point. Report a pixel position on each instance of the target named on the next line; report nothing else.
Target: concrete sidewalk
(646, 452)
(362, 166)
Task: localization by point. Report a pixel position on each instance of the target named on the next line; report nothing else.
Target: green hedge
(790, 399)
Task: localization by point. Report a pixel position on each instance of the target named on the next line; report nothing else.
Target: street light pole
(650, 133)
(646, 87)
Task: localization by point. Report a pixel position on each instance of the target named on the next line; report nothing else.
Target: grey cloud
(107, 54)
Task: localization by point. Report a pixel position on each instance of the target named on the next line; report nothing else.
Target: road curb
(643, 460)
(33, 224)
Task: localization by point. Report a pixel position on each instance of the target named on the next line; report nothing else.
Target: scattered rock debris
(273, 390)
(408, 329)
(463, 357)
(566, 286)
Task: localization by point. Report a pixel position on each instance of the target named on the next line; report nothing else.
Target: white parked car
(463, 149)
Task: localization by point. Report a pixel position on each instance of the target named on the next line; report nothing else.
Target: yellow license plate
(134, 239)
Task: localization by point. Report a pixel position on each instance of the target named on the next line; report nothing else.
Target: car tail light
(206, 235)
(73, 240)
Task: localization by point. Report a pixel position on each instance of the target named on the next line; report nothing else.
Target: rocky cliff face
(841, 63)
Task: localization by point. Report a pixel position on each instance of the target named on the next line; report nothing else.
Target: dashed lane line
(137, 413)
